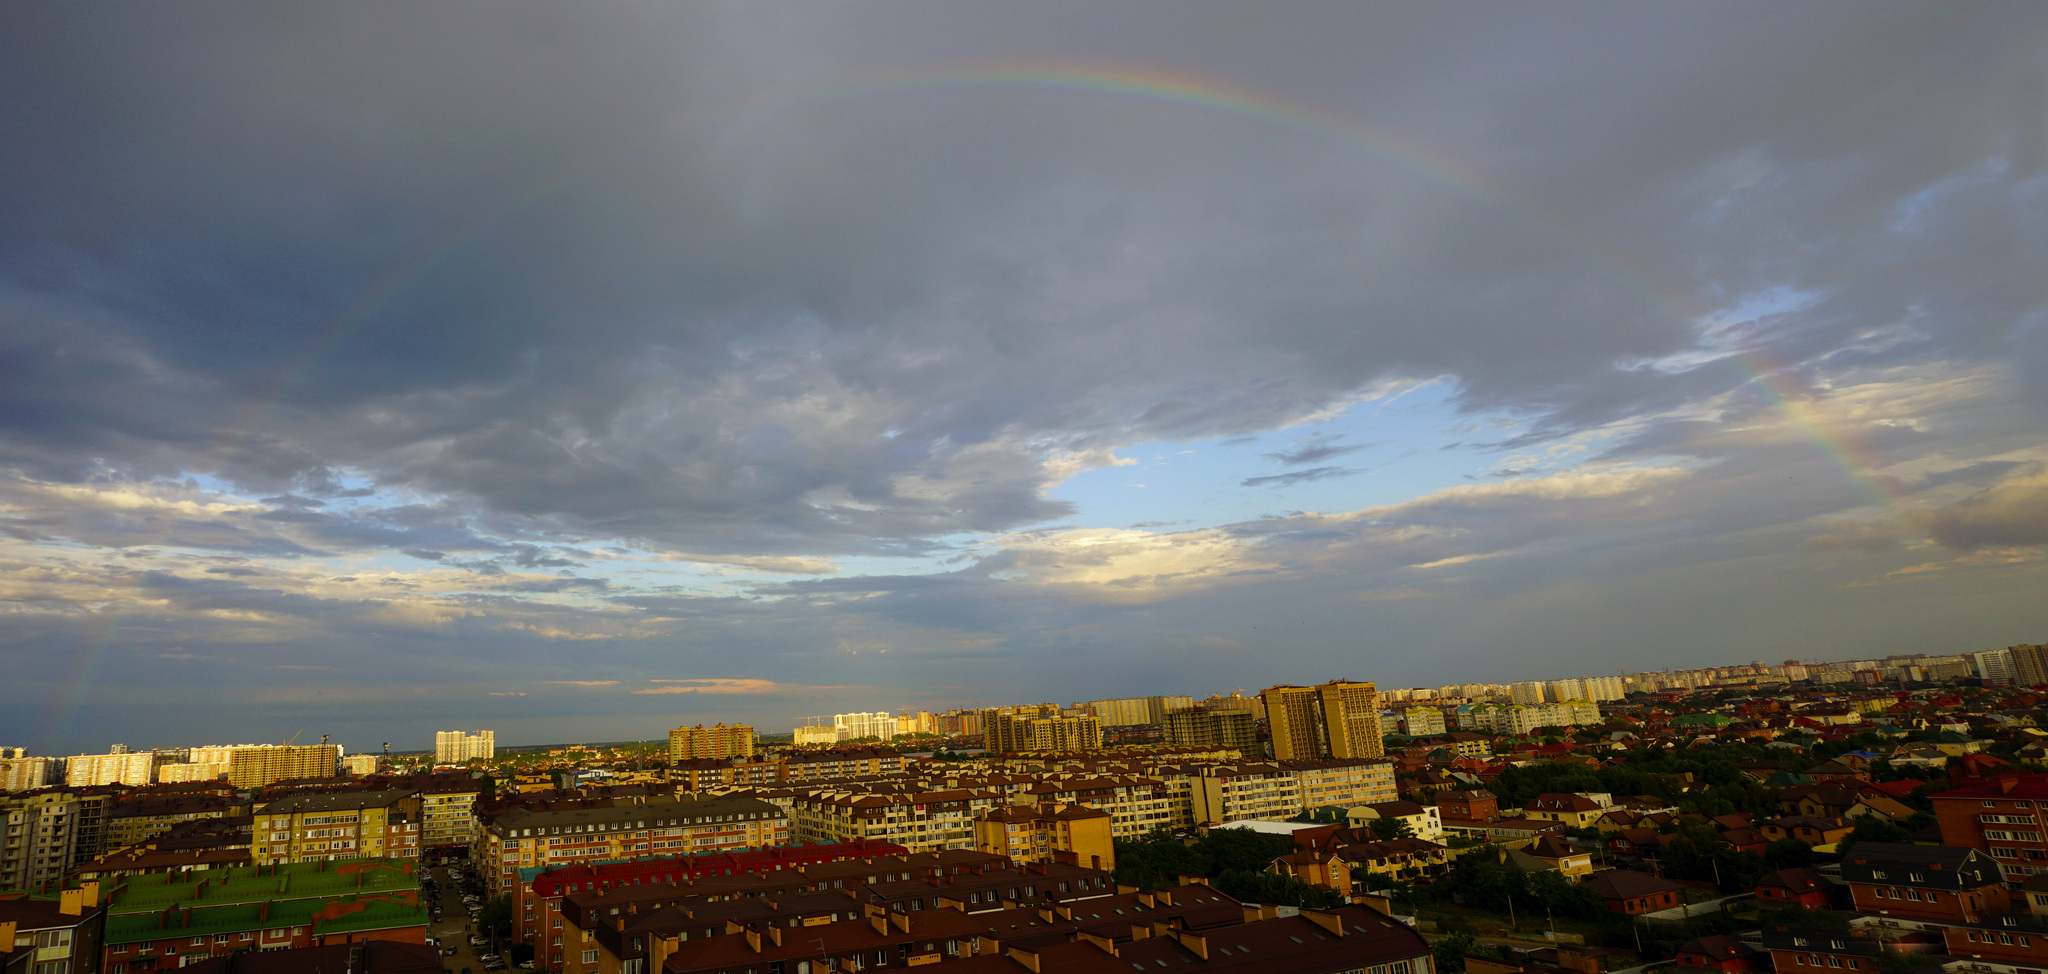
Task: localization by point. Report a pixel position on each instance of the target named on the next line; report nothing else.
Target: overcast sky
(577, 371)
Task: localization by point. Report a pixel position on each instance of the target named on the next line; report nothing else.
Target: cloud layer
(563, 353)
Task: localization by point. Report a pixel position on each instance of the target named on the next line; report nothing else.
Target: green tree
(494, 920)
(1391, 828)
(1450, 952)
(1875, 828)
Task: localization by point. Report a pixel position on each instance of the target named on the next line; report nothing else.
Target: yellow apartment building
(343, 825)
(1073, 834)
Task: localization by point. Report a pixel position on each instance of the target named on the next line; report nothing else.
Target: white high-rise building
(456, 747)
(1994, 666)
(118, 768)
(1560, 691)
(878, 724)
(19, 772)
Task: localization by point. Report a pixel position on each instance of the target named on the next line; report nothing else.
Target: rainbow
(1153, 85)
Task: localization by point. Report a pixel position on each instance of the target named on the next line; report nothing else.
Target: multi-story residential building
(525, 839)
(2029, 664)
(1422, 721)
(1995, 666)
(359, 764)
(1235, 701)
(1136, 805)
(1339, 719)
(47, 831)
(458, 747)
(1121, 711)
(161, 921)
(1527, 693)
(133, 820)
(876, 724)
(815, 734)
(1074, 834)
(1940, 884)
(720, 741)
(24, 773)
(1558, 691)
(338, 825)
(539, 895)
(58, 936)
(1156, 708)
(447, 821)
(921, 821)
(843, 763)
(1234, 729)
(1015, 730)
(188, 772)
(267, 764)
(1526, 719)
(1343, 782)
(1603, 688)
(1233, 793)
(120, 768)
(2000, 816)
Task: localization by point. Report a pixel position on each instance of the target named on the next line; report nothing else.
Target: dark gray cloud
(1292, 477)
(518, 292)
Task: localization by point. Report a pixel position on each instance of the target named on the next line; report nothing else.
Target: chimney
(1327, 921)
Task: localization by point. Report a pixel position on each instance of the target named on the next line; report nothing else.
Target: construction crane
(295, 737)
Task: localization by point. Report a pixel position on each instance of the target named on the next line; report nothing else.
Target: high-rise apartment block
(1527, 693)
(1339, 719)
(456, 747)
(255, 767)
(120, 768)
(1211, 729)
(19, 772)
(1994, 666)
(720, 741)
(1012, 730)
(1422, 721)
(2029, 664)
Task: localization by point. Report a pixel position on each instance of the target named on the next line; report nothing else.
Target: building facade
(340, 825)
(1235, 729)
(256, 767)
(458, 747)
(719, 741)
(1339, 719)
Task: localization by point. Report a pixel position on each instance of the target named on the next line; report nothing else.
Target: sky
(582, 371)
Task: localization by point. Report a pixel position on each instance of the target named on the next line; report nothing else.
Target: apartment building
(133, 820)
(2000, 816)
(23, 773)
(119, 768)
(1074, 834)
(341, 825)
(720, 741)
(1279, 790)
(921, 821)
(1234, 729)
(57, 936)
(458, 747)
(267, 764)
(1422, 721)
(539, 895)
(801, 767)
(526, 839)
(1339, 719)
(44, 832)
(1015, 730)
(1136, 805)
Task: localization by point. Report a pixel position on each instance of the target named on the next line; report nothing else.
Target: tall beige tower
(1339, 719)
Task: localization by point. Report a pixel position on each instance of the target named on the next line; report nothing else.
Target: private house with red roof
(1722, 955)
(1803, 888)
(1635, 893)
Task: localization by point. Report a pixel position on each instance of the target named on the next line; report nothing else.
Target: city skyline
(582, 372)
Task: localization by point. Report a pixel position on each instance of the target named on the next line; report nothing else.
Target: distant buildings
(1339, 719)
(117, 768)
(456, 747)
(1012, 730)
(719, 741)
(256, 767)
(1213, 729)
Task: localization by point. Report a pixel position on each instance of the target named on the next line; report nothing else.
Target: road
(456, 927)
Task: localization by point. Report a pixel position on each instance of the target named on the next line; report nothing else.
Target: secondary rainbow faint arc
(1140, 83)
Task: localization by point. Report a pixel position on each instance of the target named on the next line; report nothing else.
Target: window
(590, 957)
